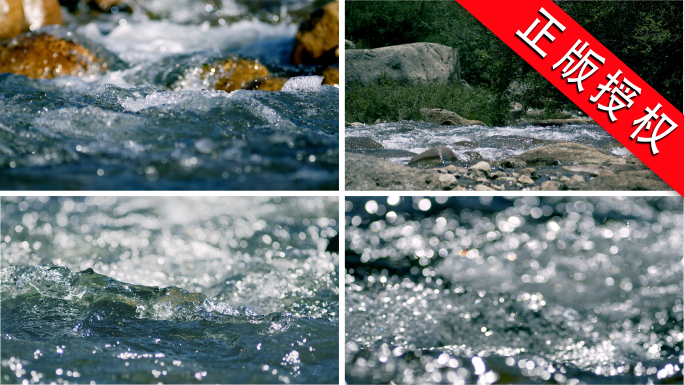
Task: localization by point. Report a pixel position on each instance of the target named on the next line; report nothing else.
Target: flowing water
(151, 123)
(495, 143)
(172, 290)
(515, 290)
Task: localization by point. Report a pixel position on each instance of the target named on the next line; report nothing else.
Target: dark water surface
(514, 290)
(150, 123)
(172, 290)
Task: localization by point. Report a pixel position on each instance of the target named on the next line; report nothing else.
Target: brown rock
(11, 18)
(331, 75)
(43, 56)
(234, 74)
(106, 5)
(271, 83)
(482, 187)
(550, 185)
(317, 40)
(39, 13)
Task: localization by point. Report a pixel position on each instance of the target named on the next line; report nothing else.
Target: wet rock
(564, 179)
(356, 124)
(513, 163)
(524, 179)
(39, 13)
(591, 169)
(566, 153)
(550, 185)
(481, 169)
(439, 152)
(575, 183)
(349, 45)
(447, 181)
(391, 153)
(317, 41)
(271, 83)
(472, 156)
(331, 76)
(361, 144)
(451, 169)
(413, 64)
(644, 180)
(447, 118)
(482, 187)
(366, 173)
(233, 74)
(11, 18)
(527, 171)
(43, 56)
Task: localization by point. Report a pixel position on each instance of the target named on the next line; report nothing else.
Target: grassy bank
(389, 101)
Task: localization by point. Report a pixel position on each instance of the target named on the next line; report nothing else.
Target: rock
(361, 144)
(271, 83)
(591, 169)
(481, 169)
(451, 169)
(356, 124)
(233, 74)
(106, 5)
(43, 56)
(526, 171)
(513, 163)
(472, 156)
(644, 180)
(439, 152)
(39, 13)
(377, 121)
(524, 179)
(496, 187)
(447, 118)
(412, 64)
(566, 153)
(447, 181)
(564, 179)
(391, 153)
(482, 187)
(366, 173)
(349, 45)
(317, 41)
(11, 18)
(550, 186)
(575, 183)
(331, 76)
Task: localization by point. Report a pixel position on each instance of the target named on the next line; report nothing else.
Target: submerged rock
(271, 83)
(439, 152)
(44, 56)
(447, 118)
(317, 41)
(361, 144)
(233, 74)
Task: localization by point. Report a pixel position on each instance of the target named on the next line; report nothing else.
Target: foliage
(390, 101)
(647, 36)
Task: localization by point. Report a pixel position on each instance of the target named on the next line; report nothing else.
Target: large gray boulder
(413, 64)
(366, 173)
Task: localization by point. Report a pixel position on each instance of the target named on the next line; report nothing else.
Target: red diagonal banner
(592, 77)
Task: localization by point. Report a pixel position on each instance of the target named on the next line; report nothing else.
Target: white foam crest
(303, 83)
(150, 40)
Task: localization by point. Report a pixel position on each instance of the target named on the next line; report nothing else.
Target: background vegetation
(645, 35)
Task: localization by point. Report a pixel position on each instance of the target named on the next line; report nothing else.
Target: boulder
(447, 118)
(482, 187)
(447, 181)
(233, 74)
(439, 152)
(413, 64)
(349, 45)
(271, 83)
(11, 18)
(44, 56)
(366, 173)
(565, 153)
(481, 169)
(644, 180)
(39, 13)
(525, 179)
(317, 41)
(550, 185)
